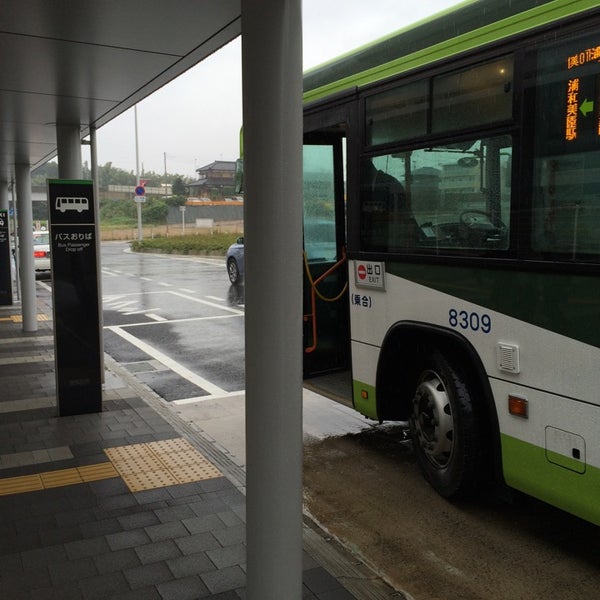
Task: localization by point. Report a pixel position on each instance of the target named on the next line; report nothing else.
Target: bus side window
(455, 196)
(387, 222)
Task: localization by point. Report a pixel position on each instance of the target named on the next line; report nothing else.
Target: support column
(94, 168)
(272, 95)
(25, 244)
(68, 140)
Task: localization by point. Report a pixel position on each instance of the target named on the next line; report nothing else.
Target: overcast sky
(196, 119)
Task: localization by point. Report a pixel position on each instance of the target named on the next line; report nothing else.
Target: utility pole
(138, 200)
(165, 159)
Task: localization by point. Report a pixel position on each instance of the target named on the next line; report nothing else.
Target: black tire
(445, 430)
(233, 270)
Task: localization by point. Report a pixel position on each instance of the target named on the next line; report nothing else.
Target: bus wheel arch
(421, 367)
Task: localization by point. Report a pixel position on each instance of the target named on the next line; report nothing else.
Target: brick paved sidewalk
(122, 504)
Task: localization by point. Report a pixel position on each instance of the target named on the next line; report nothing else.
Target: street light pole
(137, 176)
(165, 159)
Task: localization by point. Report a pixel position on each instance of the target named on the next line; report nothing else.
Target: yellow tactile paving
(189, 473)
(159, 464)
(59, 478)
(121, 453)
(51, 479)
(137, 464)
(98, 471)
(179, 459)
(149, 480)
(170, 446)
(141, 466)
(19, 318)
(20, 485)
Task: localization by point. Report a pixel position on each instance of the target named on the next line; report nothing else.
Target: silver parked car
(234, 261)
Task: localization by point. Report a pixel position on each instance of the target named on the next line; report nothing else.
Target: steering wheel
(472, 218)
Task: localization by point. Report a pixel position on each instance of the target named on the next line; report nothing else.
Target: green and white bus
(452, 240)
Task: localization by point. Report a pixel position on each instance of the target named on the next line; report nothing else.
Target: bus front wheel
(444, 429)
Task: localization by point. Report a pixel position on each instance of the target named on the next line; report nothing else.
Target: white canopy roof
(84, 62)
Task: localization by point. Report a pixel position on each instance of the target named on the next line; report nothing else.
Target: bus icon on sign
(63, 204)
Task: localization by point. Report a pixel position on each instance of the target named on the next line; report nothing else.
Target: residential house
(216, 181)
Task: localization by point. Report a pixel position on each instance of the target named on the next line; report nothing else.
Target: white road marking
(185, 320)
(219, 306)
(155, 317)
(169, 363)
(164, 284)
(128, 307)
(126, 294)
(204, 398)
(120, 305)
(187, 291)
(216, 298)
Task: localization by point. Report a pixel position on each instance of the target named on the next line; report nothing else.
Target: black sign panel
(75, 297)
(5, 275)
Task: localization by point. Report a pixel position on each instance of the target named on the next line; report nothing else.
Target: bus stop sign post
(5, 270)
(75, 297)
(140, 197)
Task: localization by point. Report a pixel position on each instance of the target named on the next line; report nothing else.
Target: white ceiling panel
(87, 61)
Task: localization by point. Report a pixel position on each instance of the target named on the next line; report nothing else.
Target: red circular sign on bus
(362, 271)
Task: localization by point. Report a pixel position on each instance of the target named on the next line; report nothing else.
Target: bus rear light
(39, 254)
(519, 407)
(364, 394)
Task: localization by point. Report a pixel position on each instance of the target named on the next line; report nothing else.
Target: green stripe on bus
(563, 303)
(527, 468)
(366, 406)
(500, 30)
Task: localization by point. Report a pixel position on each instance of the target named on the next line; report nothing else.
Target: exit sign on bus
(369, 274)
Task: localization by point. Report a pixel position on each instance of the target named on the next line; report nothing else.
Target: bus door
(325, 295)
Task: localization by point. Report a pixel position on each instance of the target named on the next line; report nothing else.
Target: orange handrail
(314, 293)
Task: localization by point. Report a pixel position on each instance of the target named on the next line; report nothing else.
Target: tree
(47, 171)
(155, 211)
(178, 187)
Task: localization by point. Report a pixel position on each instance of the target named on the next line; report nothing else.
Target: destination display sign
(581, 98)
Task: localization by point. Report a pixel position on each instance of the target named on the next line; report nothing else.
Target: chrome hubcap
(432, 419)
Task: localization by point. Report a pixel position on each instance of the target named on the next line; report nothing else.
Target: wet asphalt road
(175, 322)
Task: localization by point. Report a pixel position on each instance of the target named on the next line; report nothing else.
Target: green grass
(216, 243)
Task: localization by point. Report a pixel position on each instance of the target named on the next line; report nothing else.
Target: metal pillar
(94, 161)
(272, 94)
(68, 140)
(25, 237)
